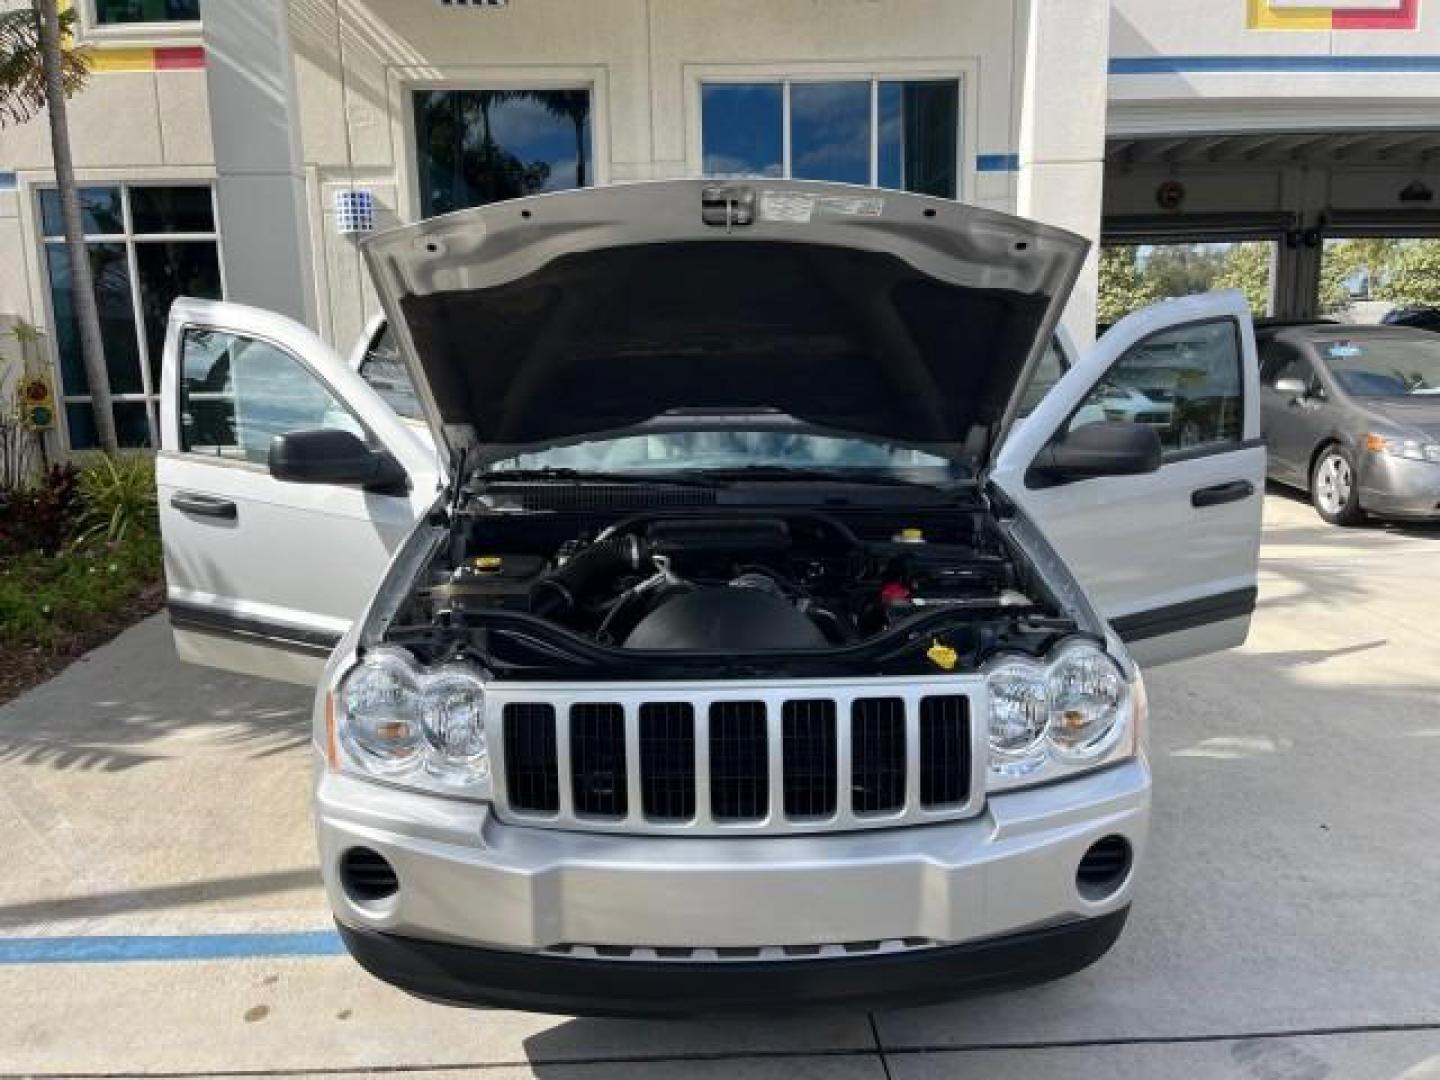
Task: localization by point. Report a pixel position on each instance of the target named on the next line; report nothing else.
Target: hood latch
(727, 206)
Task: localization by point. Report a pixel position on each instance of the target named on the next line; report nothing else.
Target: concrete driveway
(160, 913)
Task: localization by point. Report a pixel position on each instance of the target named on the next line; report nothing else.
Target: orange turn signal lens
(1375, 444)
(332, 749)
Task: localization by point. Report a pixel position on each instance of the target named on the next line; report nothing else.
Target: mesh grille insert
(532, 771)
(739, 761)
(667, 761)
(597, 760)
(809, 745)
(944, 751)
(877, 755)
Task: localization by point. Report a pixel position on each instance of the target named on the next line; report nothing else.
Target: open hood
(875, 313)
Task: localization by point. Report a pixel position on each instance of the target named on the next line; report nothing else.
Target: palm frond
(22, 65)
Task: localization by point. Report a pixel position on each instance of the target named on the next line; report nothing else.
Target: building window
(901, 134)
(131, 12)
(481, 146)
(148, 244)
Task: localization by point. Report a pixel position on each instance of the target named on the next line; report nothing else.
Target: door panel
(1169, 557)
(264, 576)
(1288, 422)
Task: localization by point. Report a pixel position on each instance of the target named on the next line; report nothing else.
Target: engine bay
(771, 589)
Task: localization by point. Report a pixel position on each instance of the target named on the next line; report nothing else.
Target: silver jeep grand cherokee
(743, 648)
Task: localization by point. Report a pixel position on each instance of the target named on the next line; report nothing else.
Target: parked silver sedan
(1351, 414)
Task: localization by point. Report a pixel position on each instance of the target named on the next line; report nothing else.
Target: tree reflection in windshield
(669, 451)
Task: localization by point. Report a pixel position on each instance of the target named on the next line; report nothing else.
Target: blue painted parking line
(127, 949)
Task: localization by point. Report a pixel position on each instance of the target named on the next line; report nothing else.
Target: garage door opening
(1135, 275)
(1381, 279)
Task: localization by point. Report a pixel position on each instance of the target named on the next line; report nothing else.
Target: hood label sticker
(787, 206)
(799, 208)
(852, 206)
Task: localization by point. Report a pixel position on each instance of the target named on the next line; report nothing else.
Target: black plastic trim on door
(190, 502)
(1175, 618)
(210, 620)
(1219, 494)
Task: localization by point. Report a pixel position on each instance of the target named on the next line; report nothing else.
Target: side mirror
(1105, 448)
(1292, 388)
(335, 457)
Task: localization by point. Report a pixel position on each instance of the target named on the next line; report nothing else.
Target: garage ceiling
(1351, 149)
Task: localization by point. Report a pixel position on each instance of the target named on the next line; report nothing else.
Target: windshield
(687, 451)
(1383, 366)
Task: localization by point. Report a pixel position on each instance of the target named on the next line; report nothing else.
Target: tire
(1335, 488)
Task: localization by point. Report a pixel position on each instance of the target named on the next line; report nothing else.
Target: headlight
(1019, 716)
(1070, 713)
(424, 728)
(380, 712)
(1409, 449)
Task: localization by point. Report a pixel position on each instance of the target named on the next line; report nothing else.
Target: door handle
(188, 502)
(1234, 491)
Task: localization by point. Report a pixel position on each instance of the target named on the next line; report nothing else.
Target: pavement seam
(753, 1055)
(879, 1046)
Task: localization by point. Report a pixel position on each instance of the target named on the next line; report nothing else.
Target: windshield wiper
(587, 476)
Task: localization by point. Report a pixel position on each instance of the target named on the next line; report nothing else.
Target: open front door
(264, 575)
(1168, 557)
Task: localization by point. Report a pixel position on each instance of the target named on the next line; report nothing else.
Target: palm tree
(40, 67)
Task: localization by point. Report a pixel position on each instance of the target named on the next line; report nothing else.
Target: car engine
(731, 581)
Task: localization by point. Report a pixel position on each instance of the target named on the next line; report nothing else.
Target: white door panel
(263, 575)
(1169, 557)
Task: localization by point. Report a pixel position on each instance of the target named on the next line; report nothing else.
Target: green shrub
(117, 497)
(40, 516)
(47, 601)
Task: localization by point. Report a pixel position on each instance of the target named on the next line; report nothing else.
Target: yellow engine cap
(487, 562)
(943, 656)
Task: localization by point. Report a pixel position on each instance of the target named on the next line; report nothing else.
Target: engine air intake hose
(595, 566)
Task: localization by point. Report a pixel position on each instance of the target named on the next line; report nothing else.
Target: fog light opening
(1104, 868)
(367, 877)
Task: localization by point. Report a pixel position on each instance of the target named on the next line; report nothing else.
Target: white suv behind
(723, 640)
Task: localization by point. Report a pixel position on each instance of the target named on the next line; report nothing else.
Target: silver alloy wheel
(1333, 481)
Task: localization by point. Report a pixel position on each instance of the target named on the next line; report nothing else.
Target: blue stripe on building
(998, 163)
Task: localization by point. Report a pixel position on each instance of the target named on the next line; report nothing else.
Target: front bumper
(480, 901)
(463, 975)
(1400, 488)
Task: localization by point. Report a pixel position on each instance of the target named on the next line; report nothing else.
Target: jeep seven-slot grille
(597, 759)
(877, 735)
(532, 770)
(779, 764)
(739, 761)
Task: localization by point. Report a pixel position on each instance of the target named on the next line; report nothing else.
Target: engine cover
(726, 620)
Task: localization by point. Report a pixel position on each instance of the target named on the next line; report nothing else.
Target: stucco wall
(357, 60)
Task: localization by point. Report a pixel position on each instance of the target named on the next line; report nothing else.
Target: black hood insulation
(838, 338)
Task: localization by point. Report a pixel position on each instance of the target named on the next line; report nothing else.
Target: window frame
(963, 72)
(1176, 455)
(371, 438)
(150, 393)
(139, 34)
(403, 83)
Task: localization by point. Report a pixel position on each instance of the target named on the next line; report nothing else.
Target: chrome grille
(737, 758)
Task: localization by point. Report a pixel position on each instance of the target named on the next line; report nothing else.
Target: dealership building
(243, 148)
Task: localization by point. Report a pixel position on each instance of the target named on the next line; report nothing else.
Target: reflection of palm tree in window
(462, 141)
(574, 106)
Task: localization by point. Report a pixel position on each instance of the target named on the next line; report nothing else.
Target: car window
(385, 371)
(238, 393)
(1184, 382)
(1280, 361)
(1384, 366)
(1047, 373)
